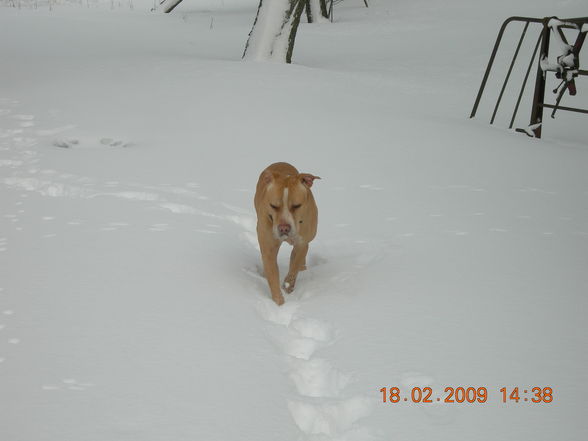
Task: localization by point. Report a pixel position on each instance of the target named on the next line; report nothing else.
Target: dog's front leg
(269, 256)
(297, 263)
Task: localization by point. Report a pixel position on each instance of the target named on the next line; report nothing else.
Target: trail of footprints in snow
(321, 412)
(28, 177)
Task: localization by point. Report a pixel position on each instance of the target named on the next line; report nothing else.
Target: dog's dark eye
(295, 206)
(275, 207)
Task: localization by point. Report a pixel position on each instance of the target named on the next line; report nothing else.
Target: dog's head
(287, 203)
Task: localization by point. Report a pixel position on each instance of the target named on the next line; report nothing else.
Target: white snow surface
(449, 252)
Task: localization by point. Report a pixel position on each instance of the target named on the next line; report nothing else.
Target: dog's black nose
(284, 228)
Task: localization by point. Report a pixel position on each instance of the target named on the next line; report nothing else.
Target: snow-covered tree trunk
(169, 5)
(274, 30)
(316, 11)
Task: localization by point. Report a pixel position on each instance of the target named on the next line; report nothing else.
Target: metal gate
(566, 68)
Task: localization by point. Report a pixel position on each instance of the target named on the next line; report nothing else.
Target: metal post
(331, 10)
(539, 94)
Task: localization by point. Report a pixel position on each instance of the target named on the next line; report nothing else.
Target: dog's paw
(289, 283)
(278, 299)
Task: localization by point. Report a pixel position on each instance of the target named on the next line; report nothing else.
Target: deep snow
(449, 253)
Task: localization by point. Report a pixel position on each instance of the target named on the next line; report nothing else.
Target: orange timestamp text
(460, 394)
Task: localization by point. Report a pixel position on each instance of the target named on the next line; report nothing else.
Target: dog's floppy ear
(266, 177)
(308, 179)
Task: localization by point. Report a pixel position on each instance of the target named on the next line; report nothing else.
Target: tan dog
(286, 211)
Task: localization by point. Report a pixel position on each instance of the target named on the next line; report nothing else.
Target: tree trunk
(169, 5)
(316, 11)
(274, 30)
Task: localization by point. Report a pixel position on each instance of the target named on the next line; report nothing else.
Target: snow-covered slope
(132, 305)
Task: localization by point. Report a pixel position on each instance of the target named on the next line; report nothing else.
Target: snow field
(132, 304)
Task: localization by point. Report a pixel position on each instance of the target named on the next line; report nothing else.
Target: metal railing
(566, 68)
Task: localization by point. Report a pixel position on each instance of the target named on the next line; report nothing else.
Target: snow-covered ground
(449, 252)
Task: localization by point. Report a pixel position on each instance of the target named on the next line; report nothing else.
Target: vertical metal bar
(562, 35)
(331, 10)
(490, 63)
(509, 72)
(514, 115)
(539, 94)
